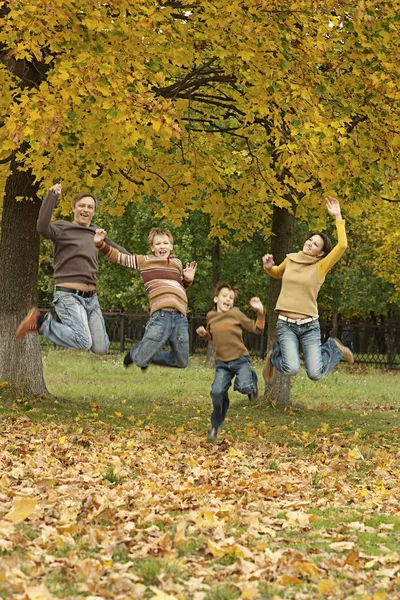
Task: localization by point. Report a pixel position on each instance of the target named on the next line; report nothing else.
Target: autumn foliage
(226, 106)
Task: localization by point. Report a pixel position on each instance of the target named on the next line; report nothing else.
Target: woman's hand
(99, 236)
(333, 207)
(268, 261)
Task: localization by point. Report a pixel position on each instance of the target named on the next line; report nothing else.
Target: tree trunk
(20, 362)
(215, 259)
(283, 222)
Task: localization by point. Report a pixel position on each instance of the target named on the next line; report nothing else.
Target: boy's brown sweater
(226, 331)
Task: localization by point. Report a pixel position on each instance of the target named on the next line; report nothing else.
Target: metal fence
(377, 345)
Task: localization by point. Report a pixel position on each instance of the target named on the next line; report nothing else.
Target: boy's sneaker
(127, 359)
(347, 354)
(269, 369)
(253, 394)
(212, 434)
(29, 324)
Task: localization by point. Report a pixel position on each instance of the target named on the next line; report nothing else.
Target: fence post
(191, 335)
(122, 333)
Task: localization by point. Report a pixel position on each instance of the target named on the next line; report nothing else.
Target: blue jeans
(162, 327)
(319, 358)
(81, 325)
(245, 382)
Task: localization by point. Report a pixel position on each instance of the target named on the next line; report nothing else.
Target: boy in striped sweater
(165, 282)
(225, 325)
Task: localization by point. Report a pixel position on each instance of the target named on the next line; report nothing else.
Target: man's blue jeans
(245, 382)
(162, 327)
(81, 325)
(319, 358)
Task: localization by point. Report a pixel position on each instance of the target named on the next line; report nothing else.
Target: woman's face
(314, 246)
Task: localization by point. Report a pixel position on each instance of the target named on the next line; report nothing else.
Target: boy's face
(161, 246)
(225, 299)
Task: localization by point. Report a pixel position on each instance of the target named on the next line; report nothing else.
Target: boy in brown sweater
(225, 326)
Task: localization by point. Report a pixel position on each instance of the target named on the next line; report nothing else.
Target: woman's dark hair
(219, 287)
(327, 244)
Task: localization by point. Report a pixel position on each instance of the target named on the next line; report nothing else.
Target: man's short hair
(159, 231)
(85, 195)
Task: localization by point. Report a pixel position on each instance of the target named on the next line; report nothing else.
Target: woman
(302, 275)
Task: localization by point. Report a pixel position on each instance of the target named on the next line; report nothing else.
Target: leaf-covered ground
(91, 510)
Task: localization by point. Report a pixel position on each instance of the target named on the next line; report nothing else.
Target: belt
(62, 288)
(298, 321)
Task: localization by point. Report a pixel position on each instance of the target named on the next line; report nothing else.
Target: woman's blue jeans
(319, 358)
(162, 327)
(245, 382)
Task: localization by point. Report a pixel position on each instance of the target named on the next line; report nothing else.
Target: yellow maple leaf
(23, 508)
(326, 586)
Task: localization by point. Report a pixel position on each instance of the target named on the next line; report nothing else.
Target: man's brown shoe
(347, 354)
(269, 369)
(29, 324)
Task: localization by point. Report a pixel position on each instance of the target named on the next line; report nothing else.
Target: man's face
(161, 246)
(225, 299)
(84, 210)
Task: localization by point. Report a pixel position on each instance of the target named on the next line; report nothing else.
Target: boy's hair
(222, 285)
(327, 244)
(159, 231)
(84, 195)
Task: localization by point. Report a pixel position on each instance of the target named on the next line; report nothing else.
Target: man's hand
(257, 304)
(189, 271)
(99, 236)
(201, 331)
(268, 261)
(333, 207)
(56, 188)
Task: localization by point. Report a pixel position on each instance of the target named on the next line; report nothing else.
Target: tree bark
(20, 362)
(215, 261)
(277, 392)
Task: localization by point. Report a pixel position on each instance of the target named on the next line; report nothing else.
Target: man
(80, 323)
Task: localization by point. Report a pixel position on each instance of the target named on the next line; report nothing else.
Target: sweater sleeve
(249, 325)
(337, 252)
(44, 226)
(277, 271)
(114, 245)
(115, 256)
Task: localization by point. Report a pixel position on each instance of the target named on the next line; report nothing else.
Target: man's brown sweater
(75, 257)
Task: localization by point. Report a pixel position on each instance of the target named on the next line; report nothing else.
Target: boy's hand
(257, 304)
(333, 207)
(189, 271)
(201, 331)
(99, 236)
(268, 261)
(56, 188)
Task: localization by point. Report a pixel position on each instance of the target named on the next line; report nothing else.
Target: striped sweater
(162, 277)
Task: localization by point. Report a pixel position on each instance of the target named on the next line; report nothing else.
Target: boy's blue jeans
(245, 382)
(162, 327)
(319, 358)
(81, 324)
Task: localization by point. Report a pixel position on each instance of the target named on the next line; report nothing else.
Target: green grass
(346, 412)
(86, 387)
